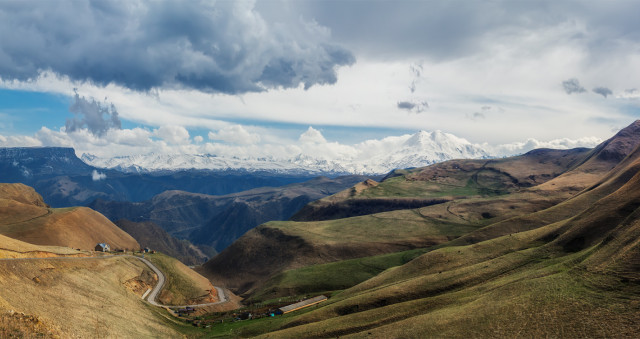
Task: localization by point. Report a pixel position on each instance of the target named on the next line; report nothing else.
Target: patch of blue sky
(25, 112)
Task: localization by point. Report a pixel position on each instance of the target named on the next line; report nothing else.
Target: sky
(265, 78)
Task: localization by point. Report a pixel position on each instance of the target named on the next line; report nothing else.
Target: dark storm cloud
(602, 91)
(416, 107)
(573, 86)
(221, 46)
(445, 30)
(96, 117)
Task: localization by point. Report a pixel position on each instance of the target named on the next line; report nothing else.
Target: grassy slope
(569, 270)
(511, 286)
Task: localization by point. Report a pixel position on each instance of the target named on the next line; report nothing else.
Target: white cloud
(176, 135)
(312, 136)
(97, 176)
(235, 134)
(198, 139)
(19, 141)
(631, 93)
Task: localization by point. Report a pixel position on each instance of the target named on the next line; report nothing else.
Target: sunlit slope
(12, 248)
(84, 298)
(26, 217)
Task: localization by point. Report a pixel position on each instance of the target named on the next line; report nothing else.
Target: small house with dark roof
(103, 247)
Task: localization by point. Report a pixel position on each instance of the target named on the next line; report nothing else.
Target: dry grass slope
(84, 298)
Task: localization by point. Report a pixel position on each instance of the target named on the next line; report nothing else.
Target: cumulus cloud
(532, 143)
(312, 136)
(573, 86)
(176, 135)
(413, 106)
(235, 134)
(198, 139)
(96, 117)
(19, 141)
(97, 176)
(222, 46)
(602, 91)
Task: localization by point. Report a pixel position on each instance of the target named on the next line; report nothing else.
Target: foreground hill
(78, 297)
(26, 217)
(565, 261)
(217, 221)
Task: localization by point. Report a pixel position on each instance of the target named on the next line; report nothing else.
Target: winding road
(150, 297)
(153, 295)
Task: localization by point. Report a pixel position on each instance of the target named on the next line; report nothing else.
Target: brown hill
(26, 217)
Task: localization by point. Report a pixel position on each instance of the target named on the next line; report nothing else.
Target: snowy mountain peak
(370, 157)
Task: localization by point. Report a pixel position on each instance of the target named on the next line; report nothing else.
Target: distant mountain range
(371, 157)
(64, 180)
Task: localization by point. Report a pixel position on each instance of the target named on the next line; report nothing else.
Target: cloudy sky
(264, 77)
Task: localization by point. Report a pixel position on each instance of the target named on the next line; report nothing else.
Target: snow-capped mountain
(369, 157)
